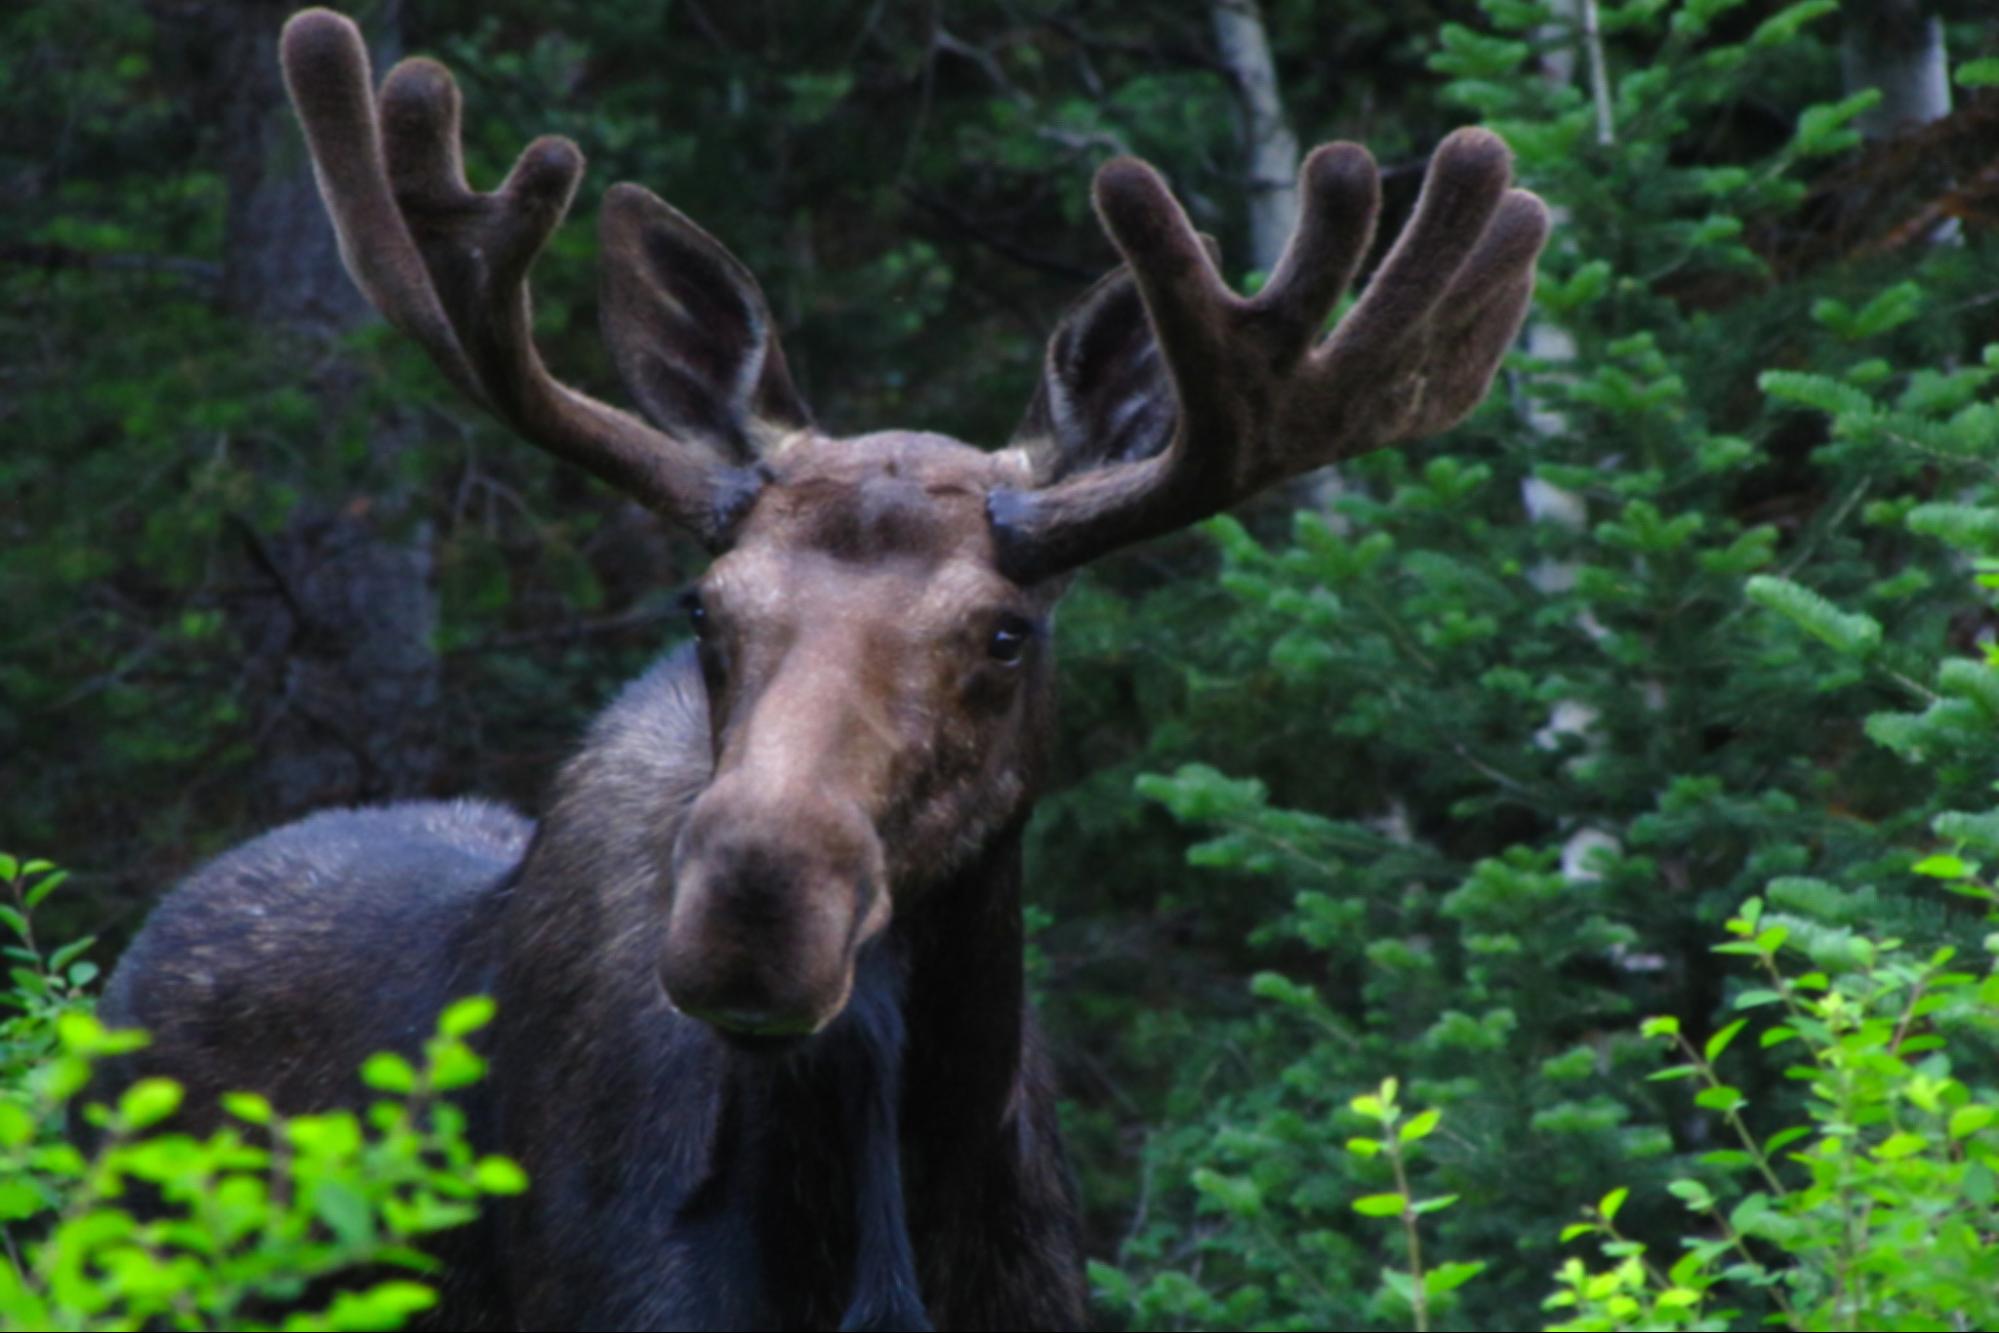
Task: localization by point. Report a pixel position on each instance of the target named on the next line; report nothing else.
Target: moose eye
(1009, 641)
(696, 613)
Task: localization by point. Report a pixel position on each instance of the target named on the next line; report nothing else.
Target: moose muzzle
(772, 901)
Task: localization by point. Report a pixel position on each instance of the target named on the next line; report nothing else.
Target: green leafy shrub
(113, 1219)
(1874, 1210)
(1424, 1291)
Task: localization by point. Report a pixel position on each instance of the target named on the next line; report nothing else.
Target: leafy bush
(114, 1219)
(1874, 1211)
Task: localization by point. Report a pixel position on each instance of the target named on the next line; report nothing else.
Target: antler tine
(448, 265)
(1339, 202)
(1190, 310)
(1257, 402)
(420, 145)
(1461, 193)
(326, 71)
(1186, 300)
(1480, 312)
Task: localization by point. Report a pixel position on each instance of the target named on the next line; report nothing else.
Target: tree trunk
(282, 265)
(1545, 341)
(1271, 147)
(1896, 46)
(343, 678)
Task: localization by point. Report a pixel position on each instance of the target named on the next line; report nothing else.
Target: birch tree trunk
(1553, 345)
(1898, 47)
(1271, 147)
(1546, 342)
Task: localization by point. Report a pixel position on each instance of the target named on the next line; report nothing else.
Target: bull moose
(763, 1044)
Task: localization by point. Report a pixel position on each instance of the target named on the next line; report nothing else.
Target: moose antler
(1259, 398)
(449, 265)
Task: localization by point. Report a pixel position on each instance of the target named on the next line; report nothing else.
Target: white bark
(1894, 46)
(1903, 55)
(1599, 76)
(1272, 149)
(1580, 852)
(1546, 342)
(1555, 346)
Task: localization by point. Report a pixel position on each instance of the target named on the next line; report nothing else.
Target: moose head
(873, 629)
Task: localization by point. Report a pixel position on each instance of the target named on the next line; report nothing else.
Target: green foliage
(1855, 635)
(1512, 770)
(1874, 1208)
(1422, 1292)
(114, 1217)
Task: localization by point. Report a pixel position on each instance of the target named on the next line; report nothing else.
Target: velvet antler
(448, 265)
(1259, 398)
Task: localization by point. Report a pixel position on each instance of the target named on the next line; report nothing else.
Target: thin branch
(869, 24)
(1418, 1297)
(265, 560)
(200, 272)
(926, 94)
(641, 618)
(1154, 54)
(121, 671)
(988, 64)
(972, 228)
(1083, 142)
(707, 28)
(1928, 222)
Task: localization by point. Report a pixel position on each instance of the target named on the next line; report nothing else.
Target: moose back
(763, 1045)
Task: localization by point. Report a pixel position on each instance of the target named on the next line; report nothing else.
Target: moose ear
(1105, 396)
(689, 330)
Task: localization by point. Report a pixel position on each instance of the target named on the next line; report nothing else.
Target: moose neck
(965, 1008)
(989, 1199)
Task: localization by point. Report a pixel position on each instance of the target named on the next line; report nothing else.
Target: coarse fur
(763, 1044)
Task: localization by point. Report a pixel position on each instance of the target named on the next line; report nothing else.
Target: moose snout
(768, 914)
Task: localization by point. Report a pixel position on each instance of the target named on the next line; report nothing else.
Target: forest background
(1451, 769)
